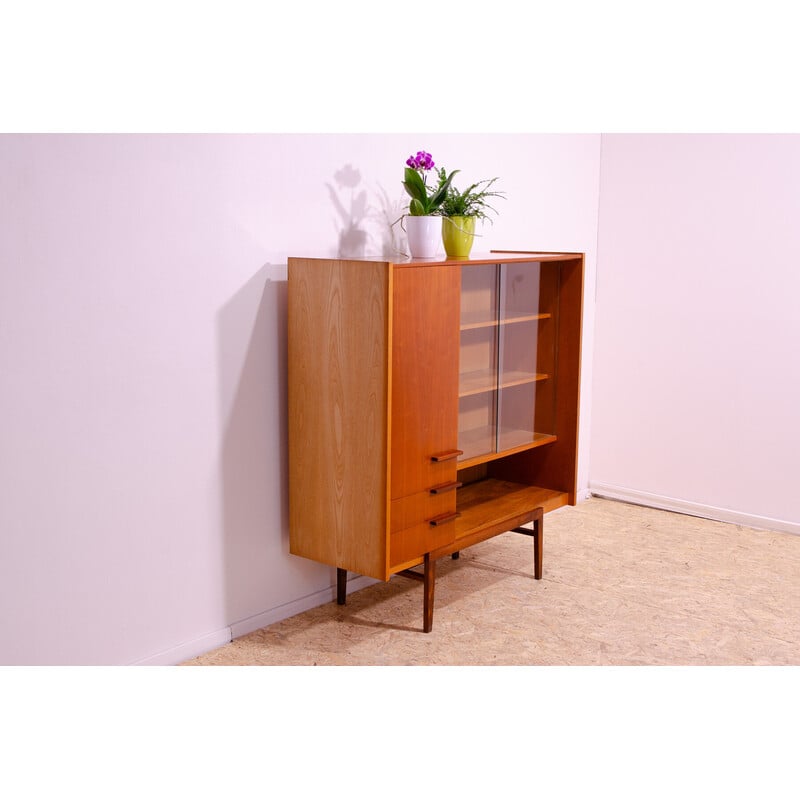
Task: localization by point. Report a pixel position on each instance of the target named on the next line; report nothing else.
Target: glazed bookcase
(432, 404)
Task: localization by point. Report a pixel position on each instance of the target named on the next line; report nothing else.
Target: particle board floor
(622, 585)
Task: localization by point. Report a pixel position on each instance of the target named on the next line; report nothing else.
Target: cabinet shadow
(253, 459)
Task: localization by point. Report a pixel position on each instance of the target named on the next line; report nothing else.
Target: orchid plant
(425, 201)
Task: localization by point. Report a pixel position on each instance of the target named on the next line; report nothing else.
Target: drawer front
(414, 542)
(420, 475)
(422, 522)
(421, 508)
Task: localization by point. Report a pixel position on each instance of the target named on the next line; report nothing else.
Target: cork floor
(622, 585)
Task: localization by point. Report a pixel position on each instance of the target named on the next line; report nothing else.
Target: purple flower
(421, 161)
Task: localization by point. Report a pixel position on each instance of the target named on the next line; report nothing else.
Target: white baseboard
(693, 509)
(211, 641)
(287, 610)
(187, 650)
(202, 645)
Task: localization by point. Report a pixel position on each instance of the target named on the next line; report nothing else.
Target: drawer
(422, 522)
(410, 543)
(421, 470)
(422, 507)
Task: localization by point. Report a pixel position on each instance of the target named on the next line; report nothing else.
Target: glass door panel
(519, 291)
(477, 425)
(478, 366)
(526, 355)
(507, 357)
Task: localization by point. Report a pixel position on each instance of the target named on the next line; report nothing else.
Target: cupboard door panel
(424, 405)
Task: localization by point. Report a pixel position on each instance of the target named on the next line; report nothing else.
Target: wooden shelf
(478, 502)
(485, 380)
(478, 319)
(469, 440)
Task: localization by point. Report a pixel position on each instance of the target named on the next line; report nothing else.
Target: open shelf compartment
(489, 507)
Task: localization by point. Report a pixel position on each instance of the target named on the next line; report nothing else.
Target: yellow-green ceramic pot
(458, 234)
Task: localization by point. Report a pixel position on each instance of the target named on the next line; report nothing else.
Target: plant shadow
(366, 219)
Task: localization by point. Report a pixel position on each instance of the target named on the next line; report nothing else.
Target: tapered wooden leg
(538, 540)
(429, 583)
(538, 545)
(341, 585)
(428, 579)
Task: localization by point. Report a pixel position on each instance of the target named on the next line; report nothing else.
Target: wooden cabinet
(432, 404)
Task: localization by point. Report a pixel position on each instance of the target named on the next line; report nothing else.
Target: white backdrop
(697, 344)
(142, 343)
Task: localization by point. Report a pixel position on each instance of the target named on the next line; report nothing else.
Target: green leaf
(414, 185)
(416, 209)
(437, 199)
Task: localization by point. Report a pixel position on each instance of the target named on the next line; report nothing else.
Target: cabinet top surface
(491, 257)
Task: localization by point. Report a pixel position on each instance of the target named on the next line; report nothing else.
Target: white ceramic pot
(424, 236)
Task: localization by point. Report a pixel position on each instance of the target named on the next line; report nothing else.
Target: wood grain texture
(338, 366)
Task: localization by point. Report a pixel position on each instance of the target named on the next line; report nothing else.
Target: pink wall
(697, 367)
(142, 344)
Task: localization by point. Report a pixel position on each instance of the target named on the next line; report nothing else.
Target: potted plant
(460, 211)
(423, 224)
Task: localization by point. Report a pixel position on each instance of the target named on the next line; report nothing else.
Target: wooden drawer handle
(447, 455)
(443, 518)
(446, 487)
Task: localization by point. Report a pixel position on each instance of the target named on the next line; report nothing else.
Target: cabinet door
(478, 360)
(506, 386)
(527, 314)
(424, 411)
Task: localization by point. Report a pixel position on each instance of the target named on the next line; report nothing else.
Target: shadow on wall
(251, 329)
(364, 223)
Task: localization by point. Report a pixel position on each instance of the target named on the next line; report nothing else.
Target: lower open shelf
(489, 507)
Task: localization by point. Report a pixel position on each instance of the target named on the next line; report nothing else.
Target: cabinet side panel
(338, 317)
